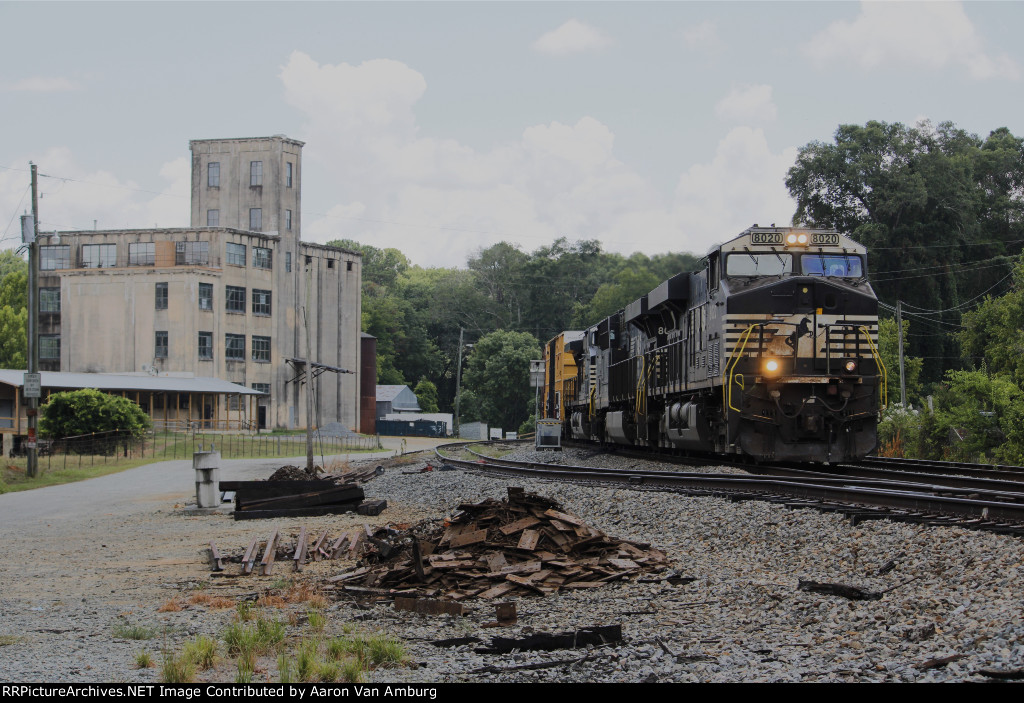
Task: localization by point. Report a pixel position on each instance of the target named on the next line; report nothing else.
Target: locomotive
(769, 351)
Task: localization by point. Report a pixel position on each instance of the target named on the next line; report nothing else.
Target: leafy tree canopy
(74, 413)
(498, 373)
(426, 394)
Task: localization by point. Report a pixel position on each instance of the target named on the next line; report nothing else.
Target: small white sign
(33, 385)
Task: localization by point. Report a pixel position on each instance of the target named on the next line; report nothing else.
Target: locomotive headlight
(771, 366)
(801, 238)
(791, 239)
(850, 366)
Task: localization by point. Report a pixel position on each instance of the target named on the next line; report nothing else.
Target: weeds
(201, 651)
(211, 601)
(126, 631)
(352, 671)
(144, 660)
(244, 611)
(307, 661)
(317, 620)
(171, 606)
(259, 638)
(177, 668)
(284, 668)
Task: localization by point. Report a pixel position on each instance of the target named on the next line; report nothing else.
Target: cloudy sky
(441, 128)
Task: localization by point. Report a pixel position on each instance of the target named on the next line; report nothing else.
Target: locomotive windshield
(758, 264)
(840, 265)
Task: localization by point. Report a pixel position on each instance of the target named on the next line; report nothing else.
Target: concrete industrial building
(222, 298)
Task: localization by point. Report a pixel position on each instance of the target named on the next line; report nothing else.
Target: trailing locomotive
(769, 351)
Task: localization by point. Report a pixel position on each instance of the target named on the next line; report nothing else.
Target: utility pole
(309, 371)
(32, 455)
(899, 334)
(458, 384)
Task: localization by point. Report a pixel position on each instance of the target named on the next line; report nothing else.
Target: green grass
(177, 668)
(143, 660)
(259, 638)
(126, 631)
(201, 651)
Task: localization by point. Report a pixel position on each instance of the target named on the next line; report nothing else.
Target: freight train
(769, 351)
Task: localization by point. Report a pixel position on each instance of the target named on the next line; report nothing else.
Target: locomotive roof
(767, 238)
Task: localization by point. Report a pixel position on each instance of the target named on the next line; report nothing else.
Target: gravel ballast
(956, 594)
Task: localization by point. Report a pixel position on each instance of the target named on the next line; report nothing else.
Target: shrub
(74, 413)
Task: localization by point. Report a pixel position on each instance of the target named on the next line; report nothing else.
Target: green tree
(13, 311)
(74, 413)
(627, 285)
(979, 417)
(426, 394)
(498, 373)
(992, 332)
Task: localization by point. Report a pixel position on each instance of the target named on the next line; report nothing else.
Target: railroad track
(931, 498)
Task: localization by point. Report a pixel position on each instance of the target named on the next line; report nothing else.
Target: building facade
(222, 298)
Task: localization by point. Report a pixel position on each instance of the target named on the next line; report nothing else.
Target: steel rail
(878, 494)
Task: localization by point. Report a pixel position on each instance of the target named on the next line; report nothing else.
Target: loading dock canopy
(64, 380)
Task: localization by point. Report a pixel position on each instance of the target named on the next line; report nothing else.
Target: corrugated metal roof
(128, 382)
(386, 393)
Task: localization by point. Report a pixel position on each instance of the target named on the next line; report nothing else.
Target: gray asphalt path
(164, 482)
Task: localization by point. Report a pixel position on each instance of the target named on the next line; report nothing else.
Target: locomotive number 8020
(769, 351)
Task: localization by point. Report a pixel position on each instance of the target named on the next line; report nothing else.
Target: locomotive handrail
(878, 360)
(736, 354)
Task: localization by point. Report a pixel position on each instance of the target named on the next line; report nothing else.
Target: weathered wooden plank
(518, 525)
(429, 606)
(468, 538)
(528, 540)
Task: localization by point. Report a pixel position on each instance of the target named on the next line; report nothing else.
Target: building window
(142, 254)
(49, 346)
(191, 253)
(234, 347)
(288, 175)
(348, 265)
(161, 296)
(262, 258)
(256, 219)
(97, 256)
(255, 173)
(49, 300)
(55, 257)
(234, 297)
(261, 349)
(260, 302)
(206, 345)
(288, 261)
(213, 174)
(234, 402)
(261, 388)
(206, 296)
(213, 218)
(288, 220)
(160, 348)
(330, 263)
(236, 254)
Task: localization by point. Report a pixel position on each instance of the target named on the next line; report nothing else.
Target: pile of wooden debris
(526, 544)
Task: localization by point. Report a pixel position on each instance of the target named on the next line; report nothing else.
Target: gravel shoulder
(81, 558)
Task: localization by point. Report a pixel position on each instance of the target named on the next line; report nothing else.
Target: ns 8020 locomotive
(769, 351)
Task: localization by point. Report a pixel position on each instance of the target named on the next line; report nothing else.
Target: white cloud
(750, 104)
(933, 35)
(438, 200)
(702, 37)
(743, 184)
(73, 196)
(573, 37)
(44, 84)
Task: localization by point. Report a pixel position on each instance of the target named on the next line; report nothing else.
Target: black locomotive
(769, 351)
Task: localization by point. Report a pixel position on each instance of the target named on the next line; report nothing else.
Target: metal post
(32, 455)
(899, 334)
(458, 384)
(309, 372)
